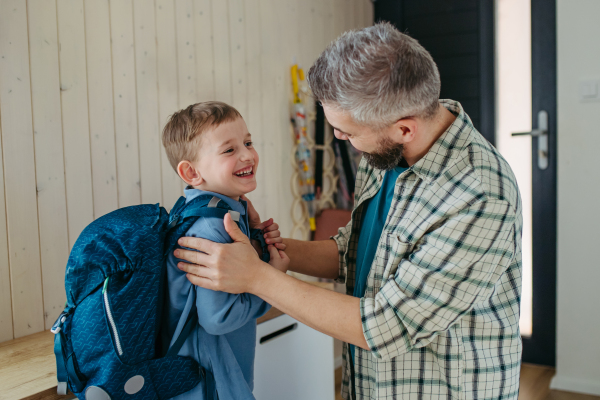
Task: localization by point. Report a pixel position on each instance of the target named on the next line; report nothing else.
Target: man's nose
(339, 135)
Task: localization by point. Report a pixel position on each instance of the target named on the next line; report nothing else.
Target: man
(432, 255)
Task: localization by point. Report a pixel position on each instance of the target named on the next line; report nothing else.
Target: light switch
(588, 90)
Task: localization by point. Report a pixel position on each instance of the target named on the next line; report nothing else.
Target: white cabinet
(293, 362)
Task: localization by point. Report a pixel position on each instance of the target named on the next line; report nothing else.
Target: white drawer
(293, 362)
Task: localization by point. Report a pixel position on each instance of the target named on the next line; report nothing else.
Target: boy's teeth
(244, 173)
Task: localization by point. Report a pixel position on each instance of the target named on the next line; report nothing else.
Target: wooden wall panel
(75, 119)
(221, 49)
(124, 99)
(339, 17)
(186, 55)
(289, 42)
(168, 93)
(85, 90)
(6, 321)
(349, 20)
(270, 74)
(304, 23)
(359, 17)
(237, 45)
(368, 12)
(49, 156)
(307, 31)
(329, 32)
(19, 168)
(254, 118)
(205, 65)
(100, 97)
(146, 77)
(319, 17)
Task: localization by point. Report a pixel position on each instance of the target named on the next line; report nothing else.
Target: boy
(209, 147)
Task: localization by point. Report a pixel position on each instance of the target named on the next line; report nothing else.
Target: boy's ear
(189, 174)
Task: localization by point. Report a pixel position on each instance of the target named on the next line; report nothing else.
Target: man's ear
(189, 174)
(406, 129)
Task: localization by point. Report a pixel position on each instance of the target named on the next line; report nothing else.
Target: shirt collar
(239, 206)
(456, 138)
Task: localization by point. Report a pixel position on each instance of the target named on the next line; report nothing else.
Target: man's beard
(387, 156)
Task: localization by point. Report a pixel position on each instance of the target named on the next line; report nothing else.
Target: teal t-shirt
(373, 219)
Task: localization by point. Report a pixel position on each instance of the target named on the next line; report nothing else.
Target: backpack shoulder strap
(212, 206)
(188, 327)
(201, 206)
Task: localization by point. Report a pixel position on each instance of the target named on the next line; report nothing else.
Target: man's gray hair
(378, 75)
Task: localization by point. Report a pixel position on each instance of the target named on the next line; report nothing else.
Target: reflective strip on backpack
(214, 201)
(234, 215)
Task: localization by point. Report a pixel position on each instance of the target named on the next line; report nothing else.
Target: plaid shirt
(441, 309)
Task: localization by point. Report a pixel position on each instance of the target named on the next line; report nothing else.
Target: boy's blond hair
(182, 133)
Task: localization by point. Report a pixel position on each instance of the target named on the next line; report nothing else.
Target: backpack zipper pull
(59, 321)
(173, 222)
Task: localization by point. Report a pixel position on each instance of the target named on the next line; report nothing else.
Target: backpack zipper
(110, 318)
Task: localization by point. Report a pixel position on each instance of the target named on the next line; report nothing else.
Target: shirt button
(379, 178)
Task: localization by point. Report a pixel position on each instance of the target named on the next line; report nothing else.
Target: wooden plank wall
(85, 88)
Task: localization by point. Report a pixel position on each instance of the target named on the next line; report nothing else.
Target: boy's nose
(246, 155)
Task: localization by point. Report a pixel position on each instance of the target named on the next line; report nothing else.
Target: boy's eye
(228, 151)
(248, 144)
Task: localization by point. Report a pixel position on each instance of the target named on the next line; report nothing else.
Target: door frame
(540, 347)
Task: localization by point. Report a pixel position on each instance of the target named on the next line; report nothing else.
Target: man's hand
(232, 268)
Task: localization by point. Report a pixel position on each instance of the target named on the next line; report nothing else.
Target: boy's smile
(245, 172)
(226, 161)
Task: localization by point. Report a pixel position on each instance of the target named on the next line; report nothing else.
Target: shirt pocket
(399, 249)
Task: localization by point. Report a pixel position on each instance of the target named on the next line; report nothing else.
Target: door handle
(542, 134)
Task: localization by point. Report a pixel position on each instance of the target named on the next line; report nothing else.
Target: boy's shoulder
(210, 228)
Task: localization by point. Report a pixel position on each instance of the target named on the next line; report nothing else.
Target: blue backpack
(107, 343)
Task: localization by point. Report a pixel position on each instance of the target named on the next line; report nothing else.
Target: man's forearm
(318, 258)
(331, 313)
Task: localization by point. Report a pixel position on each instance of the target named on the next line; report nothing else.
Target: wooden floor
(535, 385)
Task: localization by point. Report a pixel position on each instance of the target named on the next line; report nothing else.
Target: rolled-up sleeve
(440, 278)
(341, 239)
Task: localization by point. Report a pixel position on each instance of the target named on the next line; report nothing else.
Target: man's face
(228, 161)
(378, 147)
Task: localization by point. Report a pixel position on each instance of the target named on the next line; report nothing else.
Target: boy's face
(227, 160)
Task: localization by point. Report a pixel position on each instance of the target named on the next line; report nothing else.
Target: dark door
(540, 346)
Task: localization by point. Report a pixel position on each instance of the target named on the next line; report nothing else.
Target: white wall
(85, 88)
(578, 341)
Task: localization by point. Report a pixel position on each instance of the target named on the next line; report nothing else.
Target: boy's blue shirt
(224, 341)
